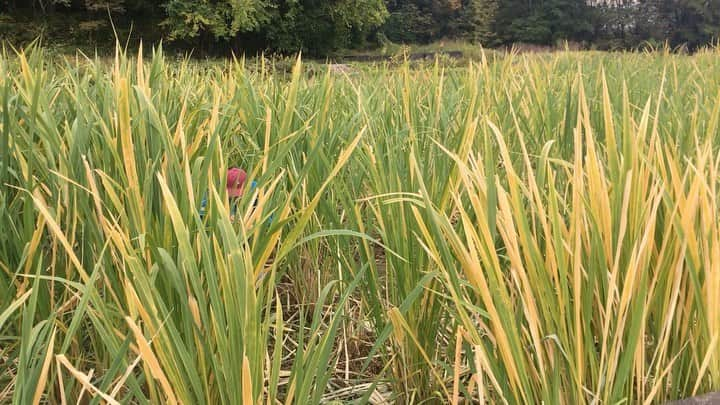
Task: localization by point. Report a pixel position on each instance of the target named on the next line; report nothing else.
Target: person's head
(236, 182)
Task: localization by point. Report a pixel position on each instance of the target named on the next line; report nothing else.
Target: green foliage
(697, 21)
(544, 22)
(409, 24)
(482, 15)
(320, 26)
(691, 23)
(222, 19)
(427, 20)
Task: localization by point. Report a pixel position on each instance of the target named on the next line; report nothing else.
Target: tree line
(321, 26)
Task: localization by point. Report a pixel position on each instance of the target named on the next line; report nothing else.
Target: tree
(544, 22)
(287, 25)
(429, 20)
(408, 23)
(223, 19)
(693, 22)
(317, 26)
(680, 22)
(481, 16)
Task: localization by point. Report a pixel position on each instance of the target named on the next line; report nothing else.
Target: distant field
(526, 228)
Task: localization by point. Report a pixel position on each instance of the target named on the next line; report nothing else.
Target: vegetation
(319, 28)
(536, 228)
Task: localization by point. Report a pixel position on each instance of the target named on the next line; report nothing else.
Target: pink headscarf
(236, 182)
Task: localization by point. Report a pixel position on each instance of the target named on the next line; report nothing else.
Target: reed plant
(526, 229)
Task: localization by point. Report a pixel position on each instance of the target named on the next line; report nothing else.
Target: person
(236, 178)
(235, 186)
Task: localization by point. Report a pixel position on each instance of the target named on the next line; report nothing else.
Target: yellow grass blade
(152, 362)
(84, 379)
(42, 381)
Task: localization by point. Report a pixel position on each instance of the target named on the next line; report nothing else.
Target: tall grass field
(524, 229)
